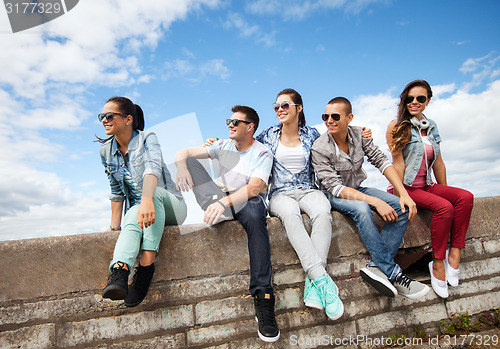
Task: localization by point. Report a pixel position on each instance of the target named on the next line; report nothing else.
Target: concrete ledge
(50, 289)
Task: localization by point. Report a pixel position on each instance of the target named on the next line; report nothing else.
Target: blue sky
(178, 57)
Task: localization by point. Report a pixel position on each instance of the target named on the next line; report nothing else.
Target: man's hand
(210, 141)
(406, 200)
(367, 132)
(183, 181)
(146, 216)
(213, 213)
(386, 211)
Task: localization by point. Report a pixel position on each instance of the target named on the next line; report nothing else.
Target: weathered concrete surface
(59, 265)
(50, 289)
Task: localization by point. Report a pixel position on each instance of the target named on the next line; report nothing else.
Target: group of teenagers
(301, 171)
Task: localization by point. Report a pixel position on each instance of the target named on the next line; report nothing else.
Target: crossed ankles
(118, 288)
(402, 283)
(322, 293)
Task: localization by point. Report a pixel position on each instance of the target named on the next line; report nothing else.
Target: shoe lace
(403, 280)
(119, 272)
(265, 308)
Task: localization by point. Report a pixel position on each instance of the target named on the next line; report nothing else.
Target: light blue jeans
(169, 210)
(382, 246)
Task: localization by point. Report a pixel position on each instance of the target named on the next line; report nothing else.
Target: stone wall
(50, 289)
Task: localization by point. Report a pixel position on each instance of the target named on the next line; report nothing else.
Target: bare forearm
(116, 214)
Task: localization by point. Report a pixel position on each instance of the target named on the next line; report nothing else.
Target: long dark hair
(297, 99)
(402, 130)
(127, 107)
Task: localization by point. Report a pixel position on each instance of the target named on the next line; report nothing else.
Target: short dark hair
(344, 101)
(250, 114)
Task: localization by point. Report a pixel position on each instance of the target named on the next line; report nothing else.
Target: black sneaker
(139, 287)
(264, 314)
(117, 287)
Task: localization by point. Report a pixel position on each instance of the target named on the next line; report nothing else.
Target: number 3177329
(33, 7)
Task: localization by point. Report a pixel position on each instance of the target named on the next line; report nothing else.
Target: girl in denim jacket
(139, 177)
(414, 141)
(294, 191)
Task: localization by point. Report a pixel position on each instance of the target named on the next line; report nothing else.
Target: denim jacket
(143, 157)
(281, 178)
(337, 169)
(413, 153)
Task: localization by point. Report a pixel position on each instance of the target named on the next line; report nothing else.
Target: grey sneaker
(376, 277)
(410, 288)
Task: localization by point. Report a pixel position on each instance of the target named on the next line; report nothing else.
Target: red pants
(451, 207)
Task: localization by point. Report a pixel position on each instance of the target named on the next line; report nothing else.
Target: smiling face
(337, 127)
(415, 108)
(119, 123)
(290, 115)
(243, 130)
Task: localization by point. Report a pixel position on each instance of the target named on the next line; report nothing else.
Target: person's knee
(467, 198)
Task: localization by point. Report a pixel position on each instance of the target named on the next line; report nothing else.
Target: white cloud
(45, 73)
(297, 9)
(246, 30)
(467, 123)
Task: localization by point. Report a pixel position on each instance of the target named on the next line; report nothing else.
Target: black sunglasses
(335, 117)
(236, 122)
(420, 99)
(284, 106)
(109, 116)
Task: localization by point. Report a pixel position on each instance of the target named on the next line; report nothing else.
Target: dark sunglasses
(335, 117)
(109, 116)
(284, 106)
(236, 122)
(420, 99)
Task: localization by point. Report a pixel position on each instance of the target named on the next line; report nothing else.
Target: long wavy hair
(401, 135)
(127, 107)
(297, 99)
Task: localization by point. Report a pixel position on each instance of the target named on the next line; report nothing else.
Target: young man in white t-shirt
(245, 166)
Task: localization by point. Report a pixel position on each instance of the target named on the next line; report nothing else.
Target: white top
(293, 158)
(236, 168)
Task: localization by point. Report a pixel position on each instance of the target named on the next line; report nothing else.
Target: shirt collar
(132, 144)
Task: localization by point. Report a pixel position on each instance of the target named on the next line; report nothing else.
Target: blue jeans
(252, 216)
(382, 246)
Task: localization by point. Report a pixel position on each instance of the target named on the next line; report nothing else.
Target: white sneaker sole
(417, 295)
(267, 339)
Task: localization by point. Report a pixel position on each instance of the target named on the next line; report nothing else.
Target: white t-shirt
(293, 158)
(236, 168)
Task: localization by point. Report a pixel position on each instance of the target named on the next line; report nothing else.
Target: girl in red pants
(414, 141)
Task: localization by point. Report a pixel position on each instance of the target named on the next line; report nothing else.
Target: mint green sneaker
(312, 298)
(328, 292)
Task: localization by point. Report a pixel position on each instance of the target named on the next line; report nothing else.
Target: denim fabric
(312, 250)
(282, 179)
(413, 153)
(252, 216)
(337, 169)
(143, 157)
(382, 246)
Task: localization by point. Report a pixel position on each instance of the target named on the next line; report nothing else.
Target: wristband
(114, 229)
(222, 204)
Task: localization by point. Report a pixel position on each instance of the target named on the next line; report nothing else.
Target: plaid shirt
(282, 179)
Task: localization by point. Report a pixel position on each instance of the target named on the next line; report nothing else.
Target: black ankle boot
(117, 283)
(139, 287)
